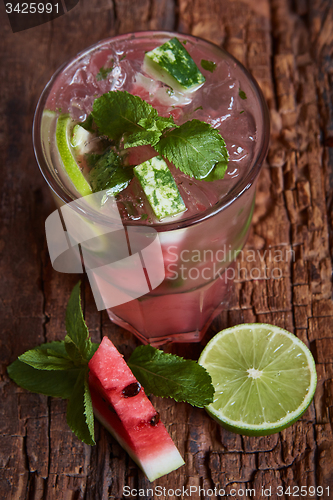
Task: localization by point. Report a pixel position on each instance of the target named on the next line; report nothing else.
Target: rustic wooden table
(287, 45)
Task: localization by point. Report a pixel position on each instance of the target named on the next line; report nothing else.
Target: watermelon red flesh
(133, 421)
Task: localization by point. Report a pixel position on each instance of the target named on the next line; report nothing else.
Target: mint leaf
(164, 122)
(142, 138)
(118, 112)
(79, 410)
(58, 384)
(153, 128)
(194, 148)
(108, 173)
(73, 352)
(208, 65)
(94, 347)
(101, 163)
(43, 358)
(103, 73)
(77, 340)
(160, 123)
(119, 180)
(92, 159)
(167, 375)
(218, 172)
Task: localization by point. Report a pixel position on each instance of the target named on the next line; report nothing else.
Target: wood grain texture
(287, 45)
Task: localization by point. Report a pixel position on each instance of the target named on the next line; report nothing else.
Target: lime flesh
(264, 378)
(63, 137)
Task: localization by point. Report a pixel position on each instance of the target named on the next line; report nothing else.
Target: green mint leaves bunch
(195, 147)
(60, 369)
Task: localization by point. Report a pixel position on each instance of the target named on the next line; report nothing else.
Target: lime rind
(49, 114)
(64, 129)
(274, 400)
(47, 130)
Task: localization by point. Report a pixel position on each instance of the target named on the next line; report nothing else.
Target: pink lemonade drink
(201, 237)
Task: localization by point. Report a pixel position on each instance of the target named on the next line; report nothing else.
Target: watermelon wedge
(121, 405)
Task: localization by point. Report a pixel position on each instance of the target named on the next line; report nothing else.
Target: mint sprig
(119, 114)
(60, 369)
(194, 147)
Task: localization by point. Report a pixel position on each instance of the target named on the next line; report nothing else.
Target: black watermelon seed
(155, 419)
(131, 390)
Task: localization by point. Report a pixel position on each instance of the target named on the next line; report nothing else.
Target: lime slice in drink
(47, 131)
(64, 131)
(264, 378)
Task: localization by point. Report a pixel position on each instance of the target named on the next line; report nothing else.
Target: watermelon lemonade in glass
(172, 130)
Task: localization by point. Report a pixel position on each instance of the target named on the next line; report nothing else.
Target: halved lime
(264, 378)
(63, 136)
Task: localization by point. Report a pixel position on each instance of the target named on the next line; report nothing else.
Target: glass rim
(241, 186)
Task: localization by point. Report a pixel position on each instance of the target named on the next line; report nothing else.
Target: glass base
(182, 317)
(194, 336)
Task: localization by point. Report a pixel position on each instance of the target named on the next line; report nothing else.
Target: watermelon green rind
(173, 65)
(129, 419)
(160, 187)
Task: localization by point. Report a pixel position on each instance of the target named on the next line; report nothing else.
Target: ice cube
(159, 94)
(217, 103)
(221, 97)
(240, 126)
(148, 85)
(117, 78)
(79, 107)
(237, 152)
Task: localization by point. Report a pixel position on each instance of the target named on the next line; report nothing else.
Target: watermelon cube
(120, 404)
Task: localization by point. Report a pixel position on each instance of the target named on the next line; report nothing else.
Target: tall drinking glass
(200, 245)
